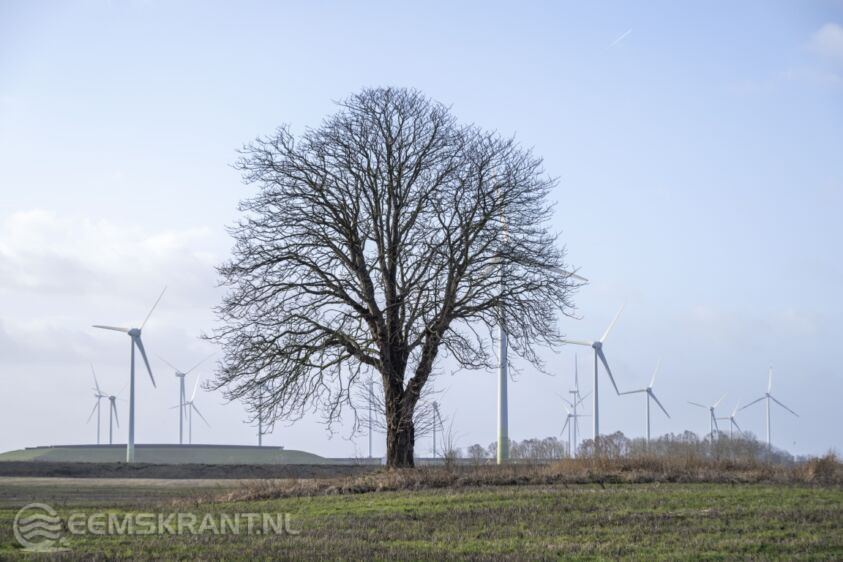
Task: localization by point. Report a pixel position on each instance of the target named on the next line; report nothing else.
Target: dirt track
(180, 471)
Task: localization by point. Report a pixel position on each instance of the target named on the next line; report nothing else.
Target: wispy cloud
(620, 38)
(828, 41)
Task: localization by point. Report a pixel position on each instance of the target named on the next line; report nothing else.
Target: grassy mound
(165, 454)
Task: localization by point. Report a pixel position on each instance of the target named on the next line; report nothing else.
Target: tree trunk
(400, 431)
(399, 446)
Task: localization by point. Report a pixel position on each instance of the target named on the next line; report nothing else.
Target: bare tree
(380, 241)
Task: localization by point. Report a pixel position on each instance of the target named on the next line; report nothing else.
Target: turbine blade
(633, 391)
(660, 404)
(770, 380)
(608, 370)
(717, 427)
(565, 425)
(653, 380)
(195, 387)
(115, 328)
(785, 407)
(584, 396)
(195, 409)
(139, 344)
(170, 365)
(576, 374)
(96, 383)
(751, 403)
(612, 325)
(200, 362)
(719, 401)
(736, 425)
(153, 308)
(92, 412)
(579, 342)
(116, 419)
(697, 404)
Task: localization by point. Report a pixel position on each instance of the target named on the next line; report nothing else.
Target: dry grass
(821, 471)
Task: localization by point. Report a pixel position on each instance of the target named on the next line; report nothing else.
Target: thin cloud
(828, 41)
(620, 38)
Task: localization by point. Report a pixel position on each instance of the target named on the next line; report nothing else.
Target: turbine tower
(191, 407)
(136, 342)
(112, 416)
(569, 425)
(98, 395)
(601, 357)
(768, 396)
(436, 417)
(573, 416)
(712, 419)
(576, 399)
(182, 395)
(650, 395)
(732, 422)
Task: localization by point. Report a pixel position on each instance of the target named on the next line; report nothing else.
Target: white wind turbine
(190, 407)
(503, 360)
(136, 342)
(768, 396)
(182, 394)
(98, 395)
(576, 398)
(436, 417)
(601, 357)
(112, 417)
(712, 421)
(572, 446)
(732, 421)
(650, 394)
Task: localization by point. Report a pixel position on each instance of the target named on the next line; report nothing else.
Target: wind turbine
(182, 395)
(503, 364)
(599, 355)
(768, 396)
(112, 413)
(712, 422)
(649, 392)
(136, 342)
(732, 422)
(576, 398)
(191, 407)
(436, 416)
(98, 395)
(573, 426)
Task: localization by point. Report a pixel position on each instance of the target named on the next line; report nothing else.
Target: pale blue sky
(699, 157)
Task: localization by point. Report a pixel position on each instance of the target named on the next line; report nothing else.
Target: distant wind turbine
(601, 357)
(98, 395)
(191, 407)
(182, 394)
(732, 422)
(712, 421)
(649, 392)
(572, 445)
(112, 413)
(136, 342)
(768, 396)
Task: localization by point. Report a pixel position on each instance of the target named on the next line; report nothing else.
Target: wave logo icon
(37, 527)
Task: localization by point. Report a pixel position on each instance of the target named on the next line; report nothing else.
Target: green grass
(166, 455)
(586, 521)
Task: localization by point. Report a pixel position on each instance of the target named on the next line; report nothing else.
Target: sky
(698, 148)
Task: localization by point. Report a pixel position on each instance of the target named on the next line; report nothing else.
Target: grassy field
(169, 454)
(648, 521)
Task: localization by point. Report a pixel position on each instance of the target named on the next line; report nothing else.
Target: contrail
(619, 39)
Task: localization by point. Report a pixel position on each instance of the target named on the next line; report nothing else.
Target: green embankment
(166, 455)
